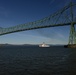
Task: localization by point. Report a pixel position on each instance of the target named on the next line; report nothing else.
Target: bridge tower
(72, 37)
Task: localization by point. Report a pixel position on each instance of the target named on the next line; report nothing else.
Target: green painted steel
(62, 17)
(72, 37)
(72, 34)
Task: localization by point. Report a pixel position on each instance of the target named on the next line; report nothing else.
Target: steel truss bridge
(63, 17)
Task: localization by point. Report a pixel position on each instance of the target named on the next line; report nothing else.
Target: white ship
(44, 45)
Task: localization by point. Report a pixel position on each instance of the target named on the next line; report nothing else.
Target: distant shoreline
(27, 45)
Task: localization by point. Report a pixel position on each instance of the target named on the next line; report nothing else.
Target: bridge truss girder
(62, 17)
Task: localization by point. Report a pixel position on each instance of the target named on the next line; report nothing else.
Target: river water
(33, 60)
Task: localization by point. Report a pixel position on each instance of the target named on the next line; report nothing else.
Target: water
(32, 60)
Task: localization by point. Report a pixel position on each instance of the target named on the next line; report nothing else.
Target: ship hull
(44, 45)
